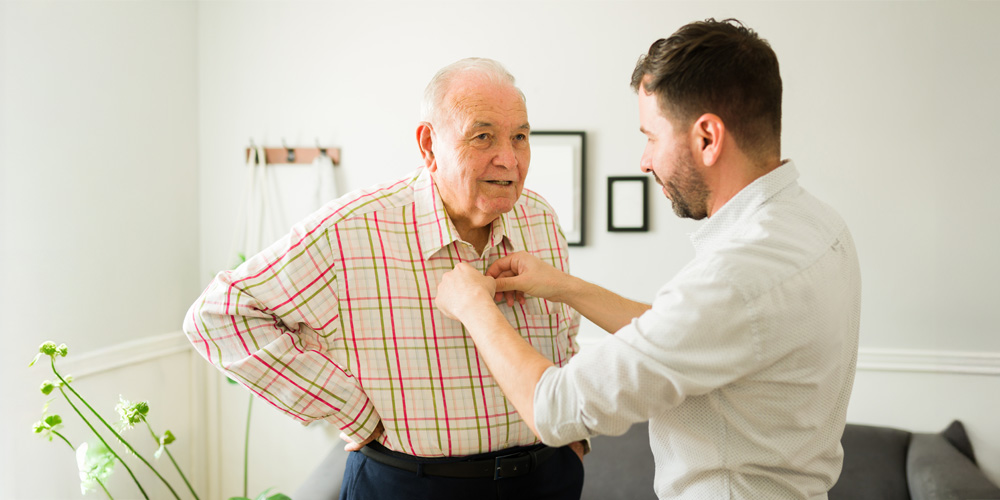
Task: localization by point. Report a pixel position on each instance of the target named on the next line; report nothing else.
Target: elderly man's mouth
(501, 183)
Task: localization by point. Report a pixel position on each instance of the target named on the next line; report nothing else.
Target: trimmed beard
(687, 188)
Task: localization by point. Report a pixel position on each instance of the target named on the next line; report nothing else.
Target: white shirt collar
(727, 219)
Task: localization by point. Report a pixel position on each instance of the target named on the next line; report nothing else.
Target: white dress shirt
(745, 363)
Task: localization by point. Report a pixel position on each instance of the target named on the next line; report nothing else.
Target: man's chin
(498, 206)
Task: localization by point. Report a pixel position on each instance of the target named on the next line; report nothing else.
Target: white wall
(889, 113)
(99, 212)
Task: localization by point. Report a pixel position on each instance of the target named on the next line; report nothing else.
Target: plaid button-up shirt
(336, 321)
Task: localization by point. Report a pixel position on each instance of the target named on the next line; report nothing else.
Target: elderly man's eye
(482, 137)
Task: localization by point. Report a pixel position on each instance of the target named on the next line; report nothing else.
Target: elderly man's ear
(425, 140)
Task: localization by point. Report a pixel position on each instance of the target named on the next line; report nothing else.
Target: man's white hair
(438, 86)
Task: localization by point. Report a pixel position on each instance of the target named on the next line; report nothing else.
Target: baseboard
(125, 354)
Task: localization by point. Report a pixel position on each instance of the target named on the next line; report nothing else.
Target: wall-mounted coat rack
(287, 155)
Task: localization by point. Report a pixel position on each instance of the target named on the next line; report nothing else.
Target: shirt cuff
(557, 415)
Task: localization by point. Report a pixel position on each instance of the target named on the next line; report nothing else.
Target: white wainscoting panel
(157, 369)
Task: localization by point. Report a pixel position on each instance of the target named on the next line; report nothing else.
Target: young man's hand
(521, 273)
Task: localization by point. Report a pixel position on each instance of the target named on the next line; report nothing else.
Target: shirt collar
(721, 226)
(435, 230)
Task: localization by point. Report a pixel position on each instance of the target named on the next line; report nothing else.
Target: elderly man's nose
(505, 155)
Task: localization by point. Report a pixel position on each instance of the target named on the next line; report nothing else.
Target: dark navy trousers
(560, 477)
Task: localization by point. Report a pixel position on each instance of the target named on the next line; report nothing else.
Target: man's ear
(425, 140)
(708, 133)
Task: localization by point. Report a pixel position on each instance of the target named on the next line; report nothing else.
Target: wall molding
(125, 354)
(927, 361)
(904, 360)
(869, 358)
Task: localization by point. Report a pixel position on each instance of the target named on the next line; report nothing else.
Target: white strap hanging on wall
(258, 224)
(326, 182)
(263, 217)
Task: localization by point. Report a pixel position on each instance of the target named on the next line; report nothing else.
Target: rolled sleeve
(603, 390)
(272, 326)
(674, 351)
(557, 409)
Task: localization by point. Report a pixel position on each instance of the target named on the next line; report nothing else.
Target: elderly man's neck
(474, 233)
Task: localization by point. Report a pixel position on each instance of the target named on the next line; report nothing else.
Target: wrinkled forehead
(495, 105)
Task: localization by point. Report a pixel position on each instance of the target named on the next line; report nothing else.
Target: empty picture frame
(628, 204)
(558, 162)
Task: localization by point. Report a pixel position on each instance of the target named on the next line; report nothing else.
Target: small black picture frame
(628, 204)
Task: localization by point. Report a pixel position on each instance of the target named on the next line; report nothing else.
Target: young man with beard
(743, 364)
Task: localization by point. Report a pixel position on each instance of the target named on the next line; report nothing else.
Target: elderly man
(336, 320)
(744, 363)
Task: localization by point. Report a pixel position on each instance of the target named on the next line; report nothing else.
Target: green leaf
(238, 498)
(263, 495)
(279, 496)
(167, 437)
(48, 348)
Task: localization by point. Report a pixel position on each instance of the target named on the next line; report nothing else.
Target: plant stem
(106, 492)
(246, 447)
(113, 431)
(64, 439)
(105, 443)
(171, 457)
(105, 488)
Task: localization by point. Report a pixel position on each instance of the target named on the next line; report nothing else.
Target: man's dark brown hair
(719, 67)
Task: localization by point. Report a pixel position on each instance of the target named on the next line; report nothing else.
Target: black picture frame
(558, 156)
(629, 211)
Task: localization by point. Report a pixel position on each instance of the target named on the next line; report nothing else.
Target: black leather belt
(509, 465)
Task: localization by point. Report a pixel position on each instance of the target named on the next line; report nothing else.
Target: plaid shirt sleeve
(270, 325)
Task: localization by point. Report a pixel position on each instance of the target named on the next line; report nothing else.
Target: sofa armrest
(936, 470)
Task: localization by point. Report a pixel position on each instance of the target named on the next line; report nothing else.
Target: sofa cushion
(324, 481)
(620, 467)
(874, 464)
(938, 470)
(955, 434)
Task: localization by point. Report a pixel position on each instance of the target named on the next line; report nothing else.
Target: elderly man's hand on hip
(352, 446)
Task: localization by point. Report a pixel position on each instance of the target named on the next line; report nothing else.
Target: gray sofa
(880, 463)
(884, 463)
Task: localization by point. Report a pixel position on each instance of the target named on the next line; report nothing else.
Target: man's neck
(733, 180)
(477, 236)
